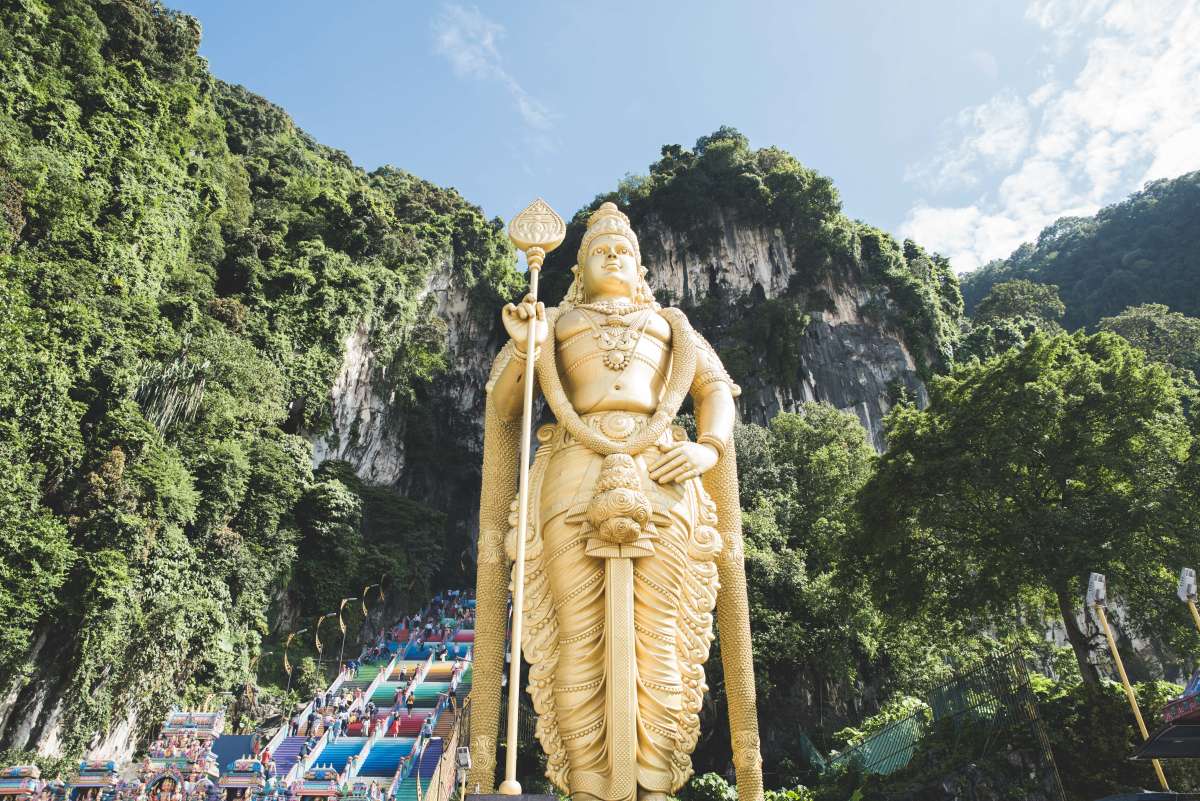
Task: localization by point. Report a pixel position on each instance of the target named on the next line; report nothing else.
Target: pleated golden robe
(589, 734)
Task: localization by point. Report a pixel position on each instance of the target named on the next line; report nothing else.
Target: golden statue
(633, 536)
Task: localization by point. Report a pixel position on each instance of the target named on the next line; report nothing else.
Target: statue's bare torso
(594, 387)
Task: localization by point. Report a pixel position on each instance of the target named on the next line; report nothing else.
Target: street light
(254, 663)
(366, 590)
(1187, 592)
(317, 636)
(342, 626)
(287, 666)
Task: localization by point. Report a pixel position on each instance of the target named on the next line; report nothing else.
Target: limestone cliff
(845, 353)
(842, 356)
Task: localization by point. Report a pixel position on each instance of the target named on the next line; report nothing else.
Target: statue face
(610, 270)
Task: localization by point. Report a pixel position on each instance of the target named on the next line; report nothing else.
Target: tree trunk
(1079, 642)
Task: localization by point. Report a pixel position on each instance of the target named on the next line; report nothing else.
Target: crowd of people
(338, 713)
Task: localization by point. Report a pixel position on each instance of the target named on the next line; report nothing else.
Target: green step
(366, 675)
(384, 693)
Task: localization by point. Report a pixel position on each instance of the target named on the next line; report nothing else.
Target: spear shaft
(536, 231)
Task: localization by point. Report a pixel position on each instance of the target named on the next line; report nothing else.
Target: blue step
(429, 759)
(335, 754)
(287, 754)
(384, 757)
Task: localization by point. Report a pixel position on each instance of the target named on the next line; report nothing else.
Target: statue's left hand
(682, 461)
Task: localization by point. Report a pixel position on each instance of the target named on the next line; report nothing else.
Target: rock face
(431, 449)
(845, 359)
(360, 432)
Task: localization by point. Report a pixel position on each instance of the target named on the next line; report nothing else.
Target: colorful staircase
(366, 674)
(335, 754)
(418, 652)
(445, 723)
(382, 761)
(287, 754)
(410, 725)
(385, 694)
(408, 667)
(427, 692)
(407, 789)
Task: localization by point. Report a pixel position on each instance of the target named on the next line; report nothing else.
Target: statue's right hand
(516, 318)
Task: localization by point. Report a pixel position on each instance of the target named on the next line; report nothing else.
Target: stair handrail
(420, 760)
(303, 764)
(407, 765)
(447, 761)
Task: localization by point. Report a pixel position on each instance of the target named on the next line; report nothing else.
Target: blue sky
(967, 125)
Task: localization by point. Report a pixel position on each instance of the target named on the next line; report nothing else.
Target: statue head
(609, 261)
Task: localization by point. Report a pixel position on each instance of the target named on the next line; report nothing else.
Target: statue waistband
(616, 425)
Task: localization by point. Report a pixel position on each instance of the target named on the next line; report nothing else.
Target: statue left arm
(737, 658)
(713, 392)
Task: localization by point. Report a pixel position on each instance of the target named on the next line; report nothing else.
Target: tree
(1164, 335)
(1140, 250)
(1022, 300)
(1025, 473)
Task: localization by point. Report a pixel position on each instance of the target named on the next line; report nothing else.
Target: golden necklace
(616, 337)
(608, 307)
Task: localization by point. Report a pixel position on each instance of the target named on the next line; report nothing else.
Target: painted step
(287, 754)
(384, 757)
(336, 753)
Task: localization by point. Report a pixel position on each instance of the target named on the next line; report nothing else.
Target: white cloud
(470, 42)
(991, 135)
(1131, 114)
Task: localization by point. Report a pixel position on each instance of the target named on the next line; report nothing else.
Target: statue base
(501, 797)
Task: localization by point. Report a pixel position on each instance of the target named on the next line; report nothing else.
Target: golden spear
(535, 231)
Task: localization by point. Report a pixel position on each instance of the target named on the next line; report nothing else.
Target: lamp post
(342, 626)
(366, 590)
(1097, 599)
(287, 666)
(317, 637)
(254, 662)
(1187, 592)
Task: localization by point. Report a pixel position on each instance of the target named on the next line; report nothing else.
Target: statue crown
(608, 219)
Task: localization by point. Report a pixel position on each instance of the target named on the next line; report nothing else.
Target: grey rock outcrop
(846, 359)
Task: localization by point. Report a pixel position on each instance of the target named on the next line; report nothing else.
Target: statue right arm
(505, 388)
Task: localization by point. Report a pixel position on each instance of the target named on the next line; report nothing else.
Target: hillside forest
(181, 267)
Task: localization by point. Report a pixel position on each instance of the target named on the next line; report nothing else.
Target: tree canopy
(1026, 473)
(1144, 249)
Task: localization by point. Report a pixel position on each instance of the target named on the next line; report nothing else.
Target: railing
(972, 709)
(441, 784)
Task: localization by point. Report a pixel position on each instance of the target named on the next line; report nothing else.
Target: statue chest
(612, 362)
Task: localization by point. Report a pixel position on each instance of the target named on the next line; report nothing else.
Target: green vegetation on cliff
(180, 268)
(1145, 249)
(697, 193)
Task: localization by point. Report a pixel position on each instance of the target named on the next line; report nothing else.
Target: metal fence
(973, 711)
